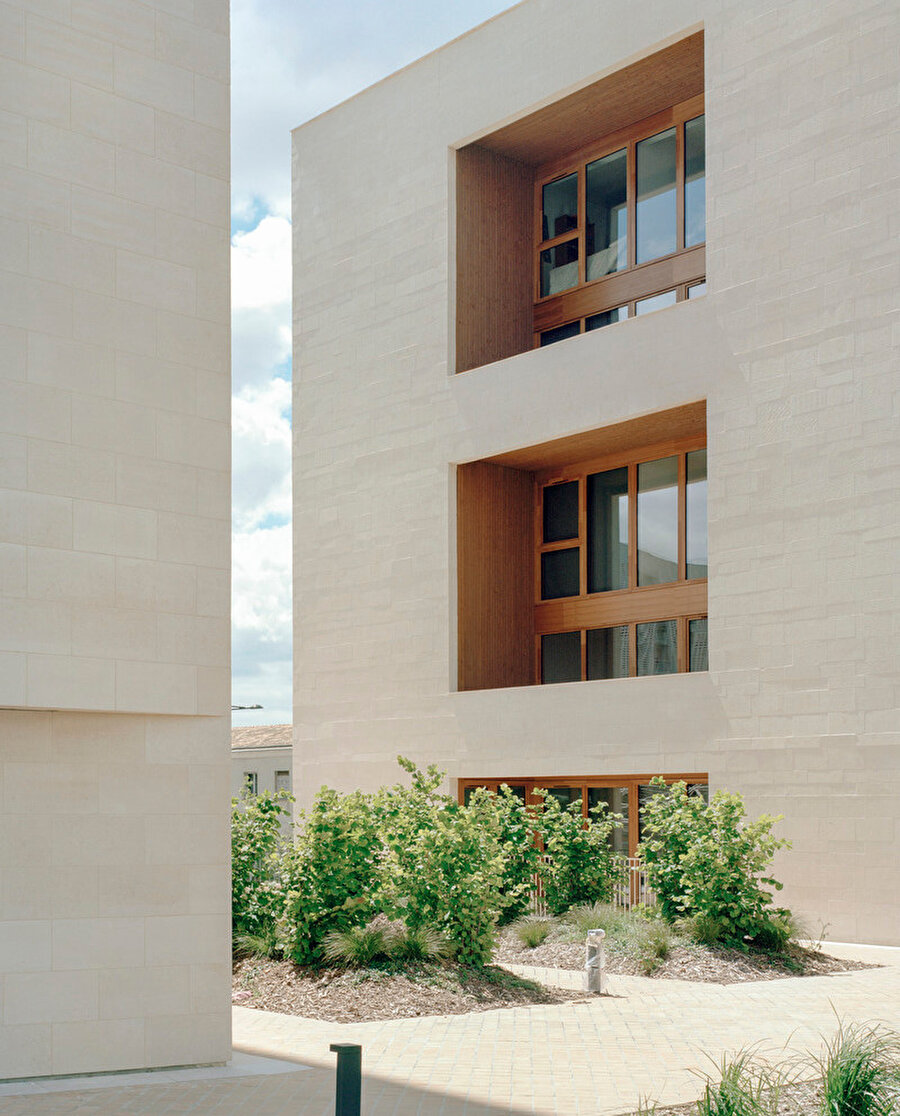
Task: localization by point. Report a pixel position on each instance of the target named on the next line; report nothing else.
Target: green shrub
(704, 929)
(257, 894)
(595, 916)
(333, 872)
(264, 943)
(521, 851)
(861, 1072)
(711, 861)
(740, 1089)
(532, 930)
(420, 943)
(358, 946)
(581, 866)
(443, 863)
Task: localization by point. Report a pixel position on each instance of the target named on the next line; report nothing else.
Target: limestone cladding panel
(114, 376)
(114, 892)
(794, 349)
(114, 526)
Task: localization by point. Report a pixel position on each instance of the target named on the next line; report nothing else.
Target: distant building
(261, 760)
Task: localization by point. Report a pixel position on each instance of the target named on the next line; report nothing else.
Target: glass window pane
(561, 511)
(561, 657)
(616, 799)
(657, 514)
(655, 302)
(657, 648)
(517, 789)
(559, 267)
(656, 212)
(695, 496)
(565, 795)
(698, 646)
(606, 230)
(607, 515)
(560, 200)
(697, 290)
(560, 574)
(608, 317)
(695, 181)
(645, 793)
(607, 652)
(550, 336)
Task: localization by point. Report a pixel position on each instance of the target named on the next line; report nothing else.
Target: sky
(289, 62)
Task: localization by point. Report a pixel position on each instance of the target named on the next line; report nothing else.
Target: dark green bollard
(348, 1093)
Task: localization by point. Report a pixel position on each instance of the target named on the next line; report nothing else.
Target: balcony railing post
(348, 1087)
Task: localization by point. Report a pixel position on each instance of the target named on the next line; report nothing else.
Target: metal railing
(631, 889)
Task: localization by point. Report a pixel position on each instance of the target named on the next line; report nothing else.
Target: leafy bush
(257, 894)
(443, 863)
(332, 872)
(711, 861)
(521, 851)
(861, 1072)
(582, 866)
(532, 930)
(704, 929)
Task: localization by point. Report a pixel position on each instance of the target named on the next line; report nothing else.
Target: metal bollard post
(348, 1091)
(595, 962)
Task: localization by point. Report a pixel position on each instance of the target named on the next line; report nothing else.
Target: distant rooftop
(262, 736)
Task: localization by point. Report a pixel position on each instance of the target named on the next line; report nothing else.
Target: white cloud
(262, 622)
(261, 265)
(261, 455)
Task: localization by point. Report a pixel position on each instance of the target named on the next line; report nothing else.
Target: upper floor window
(621, 226)
(621, 566)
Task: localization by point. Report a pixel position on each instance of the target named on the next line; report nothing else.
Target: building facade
(261, 761)
(542, 541)
(114, 536)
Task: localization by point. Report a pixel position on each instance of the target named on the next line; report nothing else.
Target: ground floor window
(623, 794)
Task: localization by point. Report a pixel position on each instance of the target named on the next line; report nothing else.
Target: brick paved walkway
(591, 1058)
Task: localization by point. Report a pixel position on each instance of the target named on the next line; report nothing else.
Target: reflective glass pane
(616, 800)
(565, 795)
(698, 790)
(559, 574)
(645, 793)
(560, 511)
(560, 206)
(517, 790)
(606, 231)
(559, 267)
(598, 321)
(657, 648)
(656, 212)
(695, 496)
(607, 525)
(549, 336)
(697, 290)
(561, 657)
(695, 181)
(698, 646)
(657, 514)
(607, 652)
(655, 302)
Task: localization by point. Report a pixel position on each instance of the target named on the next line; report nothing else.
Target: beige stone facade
(114, 536)
(793, 350)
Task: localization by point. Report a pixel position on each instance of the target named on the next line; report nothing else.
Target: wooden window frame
(680, 600)
(679, 270)
(585, 783)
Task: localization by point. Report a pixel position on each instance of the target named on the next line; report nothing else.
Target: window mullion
(682, 516)
(582, 226)
(632, 526)
(679, 187)
(631, 197)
